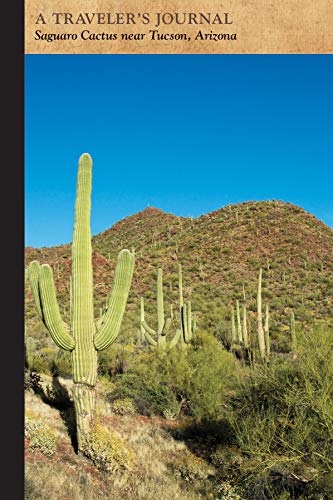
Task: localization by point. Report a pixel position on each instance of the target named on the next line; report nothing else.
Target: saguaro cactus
(239, 325)
(245, 332)
(266, 330)
(261, 333)
(163, 325)
(84, 337)
(141, 332)
(233, 327)
(187, 325)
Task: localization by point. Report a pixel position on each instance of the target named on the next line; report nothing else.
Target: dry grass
(67, 476)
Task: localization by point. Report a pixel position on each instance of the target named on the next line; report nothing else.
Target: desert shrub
(227, 459)
(114, 360)
(168, 383)
(212, 376)
(123, 406)
(224, 491)
(283, 416)
(108, 451)
(149, 397)
(41, 436)
(192, 468)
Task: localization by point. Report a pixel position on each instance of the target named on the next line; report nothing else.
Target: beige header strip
(178, 27)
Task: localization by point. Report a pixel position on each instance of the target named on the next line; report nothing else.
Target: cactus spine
(84, 337)
(163, 325)
(261, 333)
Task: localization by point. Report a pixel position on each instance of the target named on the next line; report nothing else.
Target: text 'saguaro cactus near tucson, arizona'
(85, 336)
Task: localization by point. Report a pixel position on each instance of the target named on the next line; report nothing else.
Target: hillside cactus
(266, 330)
(163, 324)
(261, 333)
(84, 337)
(233, 327)
(239, 325)
(245, 331)
(188, 326)
(141, 331)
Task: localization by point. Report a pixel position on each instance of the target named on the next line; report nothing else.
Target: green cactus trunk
(239, 325)
(84, 337)
(188, 327)
(84, 356)
(261, 333)
(266, 330)
(233, 327)
(245, 332)
(163, 325)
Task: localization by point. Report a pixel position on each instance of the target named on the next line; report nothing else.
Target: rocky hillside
(221, 254)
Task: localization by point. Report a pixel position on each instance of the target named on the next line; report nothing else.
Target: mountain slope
(221, 254)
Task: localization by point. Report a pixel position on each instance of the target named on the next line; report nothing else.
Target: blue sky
(185, 133)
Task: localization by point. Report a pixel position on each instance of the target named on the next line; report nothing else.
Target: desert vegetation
(214, 381)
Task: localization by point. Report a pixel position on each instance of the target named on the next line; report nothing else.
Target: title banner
(184, 27)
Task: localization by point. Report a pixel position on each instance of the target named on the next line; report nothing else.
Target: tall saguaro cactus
(293, 331)
(233, 327)
(187, 325)
(163, 325)
(266, 330)
(245, 332)
(261, 333)
(239, 325)
(84, 337)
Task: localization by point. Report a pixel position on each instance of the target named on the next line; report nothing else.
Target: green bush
(170, 383)
(212, 377)
(108, 451)
(149, 397)
(192, 468)
(41, 437)
(283, 415)
(123, 406)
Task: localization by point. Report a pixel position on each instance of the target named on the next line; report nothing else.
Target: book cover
(178, 266)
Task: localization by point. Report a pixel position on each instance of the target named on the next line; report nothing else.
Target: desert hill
(221, 253)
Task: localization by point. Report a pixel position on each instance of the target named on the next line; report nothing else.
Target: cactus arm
(186, 326)
(148, 329)
(58, 329)
(142, 312)
(150, 339)
(33, 274)
(111, 323)
(166, 327)
(175, 339)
